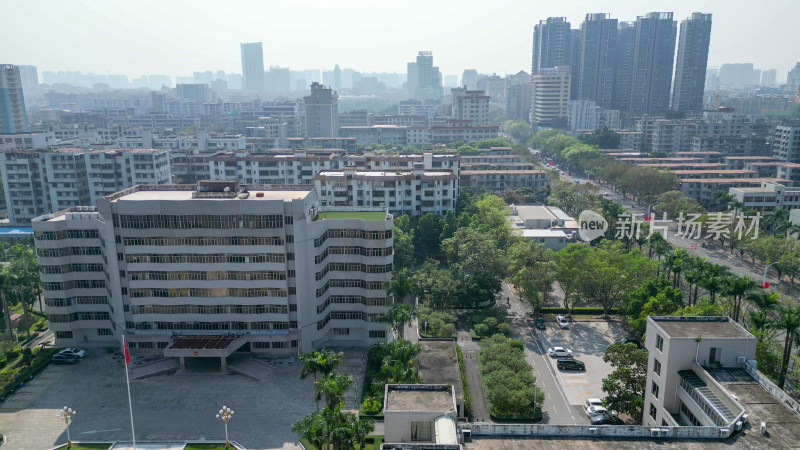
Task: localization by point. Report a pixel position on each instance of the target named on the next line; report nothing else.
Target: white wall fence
(780, 394)
(632, 431)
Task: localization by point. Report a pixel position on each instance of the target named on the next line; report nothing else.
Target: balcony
(706, 399)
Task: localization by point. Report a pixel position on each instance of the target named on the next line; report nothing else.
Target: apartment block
(13, 115)
(500, 180)
(471, 105)
(16, 141)
(767, 197)
(786, 143)
(415, 192)
(263, 268)
(37, 182)
(550, 92)
(299, 167)
(703, 189)
(680, 390)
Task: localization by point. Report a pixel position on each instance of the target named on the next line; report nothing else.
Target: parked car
(73, 351)
(637, 342)
(562, 322)
(559, 352)
(592, 402)
(570, 364)
(594, 410)
(606, 419)
(60, 358)
(540, 324)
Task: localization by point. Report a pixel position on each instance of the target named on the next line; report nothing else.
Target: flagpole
(128, 382)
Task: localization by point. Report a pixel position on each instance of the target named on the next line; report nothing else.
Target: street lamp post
(65, 414)
(764, 277)
(225, 415)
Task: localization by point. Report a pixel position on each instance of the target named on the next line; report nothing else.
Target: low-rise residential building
(679, 390)
(690, 174)
(30, 141)
(264, 267)
(631, 139)
(348, 144)
(767, 197)
(37, 182)
(703, 189)
(450, 133)
(548, 225)
(419, 414)
(500, 180)
(252, 168)
(376, 134)
(415, 192)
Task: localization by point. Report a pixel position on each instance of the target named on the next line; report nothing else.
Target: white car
(594, 410)
(562, 322)
(73, 351)
(559, 352)
(592, 402)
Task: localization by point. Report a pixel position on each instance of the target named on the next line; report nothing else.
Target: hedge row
(464, 386)
(578, 310)
(12, 378)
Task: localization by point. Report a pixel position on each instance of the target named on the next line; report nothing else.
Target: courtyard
(181, 406)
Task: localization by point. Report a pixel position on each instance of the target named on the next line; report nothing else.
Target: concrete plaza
(181, 406)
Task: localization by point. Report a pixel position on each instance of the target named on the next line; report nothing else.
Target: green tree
(429, 232)
(334, 428)
(323, 361)
(602, 138)
(403, 235)
(532, 270)
(518, 129)
(332, 387)
(675, 202)
(789, 323)
(476, 264)
(398, 315)
(625, 386)
(449, 225)
(737, 288)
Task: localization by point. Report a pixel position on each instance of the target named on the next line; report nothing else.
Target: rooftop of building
(735, 180)
(419, 397)
(707, 327)
(536, 212)
(750, 157)
(363, 215)
(528, 233)
(503, 172)
(721, 172)
(754, 190)
(381, 175)
(438, 364)
(212, 190)
(709, 152)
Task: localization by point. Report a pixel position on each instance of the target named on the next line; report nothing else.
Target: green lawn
(363, 215)
(376, 445)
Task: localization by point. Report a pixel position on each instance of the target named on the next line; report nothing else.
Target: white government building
(212, 268)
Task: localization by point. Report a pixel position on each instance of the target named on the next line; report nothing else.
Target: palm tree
(737, 288)
(694, 272)
(398, 315)
(6, 283)
(789, 323)
(323, 361)
(761, 318)
(333, 387)
(313, 428)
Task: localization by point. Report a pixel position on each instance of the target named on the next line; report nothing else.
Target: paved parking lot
(166, 407)
(588, 341)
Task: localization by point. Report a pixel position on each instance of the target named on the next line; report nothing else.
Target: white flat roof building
(265, 265)
(679, 390)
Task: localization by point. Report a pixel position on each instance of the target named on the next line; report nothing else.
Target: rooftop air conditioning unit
(739, 426)
(740, 359)
(655, 432)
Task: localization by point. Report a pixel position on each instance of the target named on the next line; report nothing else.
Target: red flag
(127, 354)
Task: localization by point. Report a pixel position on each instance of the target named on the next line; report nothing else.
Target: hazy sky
(177, 37)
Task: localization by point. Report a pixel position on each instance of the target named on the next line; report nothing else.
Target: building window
(657, 367)
(377, 334)
(64, 334)
(104, 332)
(654, 389)
(653, 411)
(341, 331)
(659, 343)
(421, 431)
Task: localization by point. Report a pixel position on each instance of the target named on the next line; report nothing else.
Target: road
(557, 409)
(711, 253)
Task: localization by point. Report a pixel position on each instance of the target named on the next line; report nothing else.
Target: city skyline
(334, 34)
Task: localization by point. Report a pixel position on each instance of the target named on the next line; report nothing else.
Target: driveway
(588, 341)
